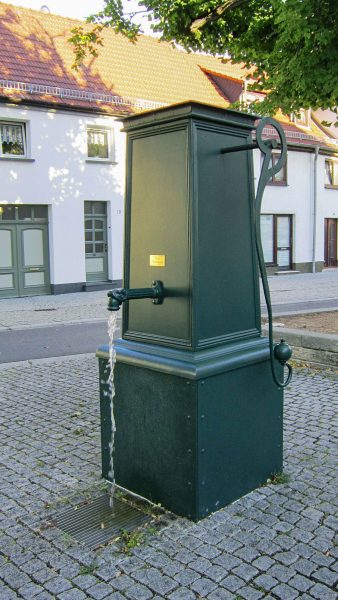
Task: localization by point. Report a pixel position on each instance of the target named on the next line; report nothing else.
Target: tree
(290, 44)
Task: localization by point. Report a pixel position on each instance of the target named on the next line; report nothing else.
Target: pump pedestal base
(195, 431)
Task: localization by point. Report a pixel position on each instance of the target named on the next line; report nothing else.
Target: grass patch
(278, 478)
(131, 539)
(88, 569)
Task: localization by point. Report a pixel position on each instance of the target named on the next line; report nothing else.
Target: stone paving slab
(36, 311)
(276, 542)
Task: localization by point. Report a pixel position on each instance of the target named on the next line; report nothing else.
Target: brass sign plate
(157, 260)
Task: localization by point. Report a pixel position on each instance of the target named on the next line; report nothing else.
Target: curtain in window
(97, 137)
(329, 172)
(11, 138)
(97, 140)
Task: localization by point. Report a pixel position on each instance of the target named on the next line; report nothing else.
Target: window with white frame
(331, 173)
(268, 237)
(302, 117)
(99, 143)
(12, 139)
(279, 178)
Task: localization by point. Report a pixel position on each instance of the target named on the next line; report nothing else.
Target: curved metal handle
(266, 147)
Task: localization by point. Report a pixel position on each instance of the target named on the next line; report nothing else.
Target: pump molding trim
(189, 110)
(188, 364)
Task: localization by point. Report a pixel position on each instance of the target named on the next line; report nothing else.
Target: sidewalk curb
(309, 345)
(279, 312)
(53, 324)
(44, 361)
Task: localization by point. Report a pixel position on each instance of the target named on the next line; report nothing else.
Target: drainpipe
(314, 231)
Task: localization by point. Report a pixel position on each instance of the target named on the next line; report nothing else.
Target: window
(268, 238)
(23, 212)
(12, 139)
(99, 144)
(301, 118)
(331, 174)
(280, 177)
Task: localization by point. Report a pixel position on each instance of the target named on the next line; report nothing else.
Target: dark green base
(191, 442)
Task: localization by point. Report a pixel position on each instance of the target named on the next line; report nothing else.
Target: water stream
(112, 331)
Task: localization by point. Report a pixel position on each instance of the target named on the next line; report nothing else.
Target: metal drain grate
(96, 523)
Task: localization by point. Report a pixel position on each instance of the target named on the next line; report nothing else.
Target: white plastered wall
(327, 203)
(59, 176)
(297, 199)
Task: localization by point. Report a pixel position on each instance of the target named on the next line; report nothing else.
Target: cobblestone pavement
(277, 542)
(83, 306)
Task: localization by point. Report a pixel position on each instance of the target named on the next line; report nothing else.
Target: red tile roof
(37, 59)
(34, 49)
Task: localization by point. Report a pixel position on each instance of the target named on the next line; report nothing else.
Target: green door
(24, 260)
(96, 241)
(32, 243)
(8, 261)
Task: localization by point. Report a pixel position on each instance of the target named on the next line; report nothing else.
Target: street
(57, 340)
(69, 324)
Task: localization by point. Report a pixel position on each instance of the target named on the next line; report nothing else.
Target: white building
(61, 221)
(62, 157)
(300, 208)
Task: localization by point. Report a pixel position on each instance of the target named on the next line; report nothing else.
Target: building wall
(297, 199)
(59, 175)
(327, 203)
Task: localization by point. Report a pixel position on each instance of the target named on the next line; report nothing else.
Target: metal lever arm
(281, 351)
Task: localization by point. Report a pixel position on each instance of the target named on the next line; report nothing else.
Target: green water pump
(198, 415)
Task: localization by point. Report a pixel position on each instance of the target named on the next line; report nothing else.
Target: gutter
(314, 231)
(327, 150)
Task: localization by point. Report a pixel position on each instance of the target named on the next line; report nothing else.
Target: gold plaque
(157, 260)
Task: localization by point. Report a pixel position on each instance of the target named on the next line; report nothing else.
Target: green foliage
(291, 44)
(279, 478)
(78, 431)
(67, 539)
(88, 569)
(131, 539)
(12, 148)
(85, 42)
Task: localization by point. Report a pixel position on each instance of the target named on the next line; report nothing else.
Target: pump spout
(120, 295)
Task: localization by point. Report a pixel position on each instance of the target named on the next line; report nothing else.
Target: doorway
(276, 231)
(24, 255)
(330, 243)
(95, 224)
(283, 241)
